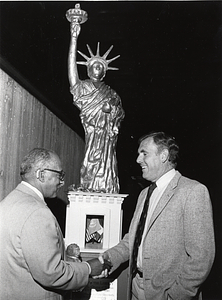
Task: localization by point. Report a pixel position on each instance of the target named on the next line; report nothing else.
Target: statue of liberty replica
(101, 112)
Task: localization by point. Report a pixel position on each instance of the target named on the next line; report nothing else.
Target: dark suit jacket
(32, 250)
(179, 247)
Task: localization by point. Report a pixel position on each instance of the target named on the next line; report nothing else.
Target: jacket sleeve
(119, 253)
(199, 244)
(122, 251)
(42, 248)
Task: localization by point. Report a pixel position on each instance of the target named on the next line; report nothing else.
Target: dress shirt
(161, 183)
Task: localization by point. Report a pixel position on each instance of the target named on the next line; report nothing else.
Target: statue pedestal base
(94, 223)
(94, 220)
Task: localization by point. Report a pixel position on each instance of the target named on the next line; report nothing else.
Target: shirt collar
(165, 179)
(34, 189)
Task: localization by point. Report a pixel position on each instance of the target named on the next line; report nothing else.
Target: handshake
(100, 267)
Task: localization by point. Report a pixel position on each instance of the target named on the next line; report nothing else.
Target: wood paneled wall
(25, 123)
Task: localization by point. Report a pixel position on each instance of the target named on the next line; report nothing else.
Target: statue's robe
(101, 113)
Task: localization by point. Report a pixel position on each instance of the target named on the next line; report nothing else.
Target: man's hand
(105, 260)
(97, 267)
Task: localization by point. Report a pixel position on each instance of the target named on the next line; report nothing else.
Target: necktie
(140, 228)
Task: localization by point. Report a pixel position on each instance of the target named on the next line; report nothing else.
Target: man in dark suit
(32, 251)
(175, 252)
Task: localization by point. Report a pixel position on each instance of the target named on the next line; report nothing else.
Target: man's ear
(40, 175)
(164, 155)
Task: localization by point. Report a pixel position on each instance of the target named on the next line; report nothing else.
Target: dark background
(169, 79)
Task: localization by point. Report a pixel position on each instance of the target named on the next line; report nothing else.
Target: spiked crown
(102, 59)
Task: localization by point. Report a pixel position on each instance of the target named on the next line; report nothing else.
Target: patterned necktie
(140, 228)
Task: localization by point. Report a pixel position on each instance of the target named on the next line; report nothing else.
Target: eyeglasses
(61, 173)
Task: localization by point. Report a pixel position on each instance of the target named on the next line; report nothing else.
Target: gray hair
(38, 158)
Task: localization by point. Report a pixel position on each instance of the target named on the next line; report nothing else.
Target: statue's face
(96, 71)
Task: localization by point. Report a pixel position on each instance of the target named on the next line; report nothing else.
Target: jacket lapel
(167, 195)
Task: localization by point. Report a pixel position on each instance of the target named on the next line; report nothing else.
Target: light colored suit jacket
(32, 265)
(179, 246)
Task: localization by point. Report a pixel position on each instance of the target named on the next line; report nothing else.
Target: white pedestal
(107, 208)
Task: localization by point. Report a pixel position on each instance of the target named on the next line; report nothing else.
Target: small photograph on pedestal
(94, 231)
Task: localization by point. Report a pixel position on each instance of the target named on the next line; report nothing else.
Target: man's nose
(138, 160)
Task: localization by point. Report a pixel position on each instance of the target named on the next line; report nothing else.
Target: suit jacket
(179, 246)
(32, 251)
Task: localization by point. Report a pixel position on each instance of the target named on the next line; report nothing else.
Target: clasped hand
(99, 267)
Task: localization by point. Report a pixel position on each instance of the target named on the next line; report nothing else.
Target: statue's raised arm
(76, 17)
(72, 67)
